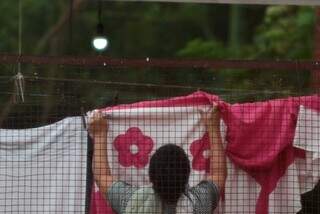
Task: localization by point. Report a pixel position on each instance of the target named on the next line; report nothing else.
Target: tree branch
(58, 26)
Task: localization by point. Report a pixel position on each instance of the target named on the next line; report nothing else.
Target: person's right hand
(97, 124)
(212, 119)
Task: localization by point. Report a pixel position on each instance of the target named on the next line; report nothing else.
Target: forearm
(217, 158)
(101, 169)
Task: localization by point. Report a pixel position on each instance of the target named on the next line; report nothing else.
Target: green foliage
(286, 33)
(204, 49)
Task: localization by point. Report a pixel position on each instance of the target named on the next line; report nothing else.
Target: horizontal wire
(101, 61)
(242, 92)
(39, 95)
(151, 85)
(112, 82)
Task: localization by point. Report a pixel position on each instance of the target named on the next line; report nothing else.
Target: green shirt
(202, 198)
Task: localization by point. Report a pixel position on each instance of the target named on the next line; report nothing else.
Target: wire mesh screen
(166, 140)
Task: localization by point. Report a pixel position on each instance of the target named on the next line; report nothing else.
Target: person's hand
(97, 124)
(211, 119)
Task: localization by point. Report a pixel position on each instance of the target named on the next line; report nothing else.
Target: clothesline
(152, 85)
(108, 62)
(39, 95)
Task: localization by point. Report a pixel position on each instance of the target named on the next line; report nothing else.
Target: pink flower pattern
(133, 148)
(199, 150)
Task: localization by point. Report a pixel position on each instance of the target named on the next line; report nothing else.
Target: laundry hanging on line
(44, 170)
(263, 163)
(307, 138)
(248, 128)
(136, 131)
(263, 118)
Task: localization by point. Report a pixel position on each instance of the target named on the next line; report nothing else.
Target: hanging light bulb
(100, 41)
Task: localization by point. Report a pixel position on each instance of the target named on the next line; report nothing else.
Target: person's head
(169, 172)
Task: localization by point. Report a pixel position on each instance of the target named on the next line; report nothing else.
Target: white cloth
(43, 170)
(308, 138)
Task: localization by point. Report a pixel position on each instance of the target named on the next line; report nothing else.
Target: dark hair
(169, 172)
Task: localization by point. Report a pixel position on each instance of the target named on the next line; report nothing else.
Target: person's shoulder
(204, 196)
(117, 185)
(204, 185)
(209, 184)
(124, 187)
(118, 195)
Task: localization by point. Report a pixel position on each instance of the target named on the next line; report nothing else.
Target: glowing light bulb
(100, 43)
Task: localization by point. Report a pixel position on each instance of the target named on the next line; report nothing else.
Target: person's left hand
(97, 124)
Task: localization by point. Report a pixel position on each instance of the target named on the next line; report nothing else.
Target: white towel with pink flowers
(136, 131)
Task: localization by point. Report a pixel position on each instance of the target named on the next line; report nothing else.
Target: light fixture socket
(100, 29)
